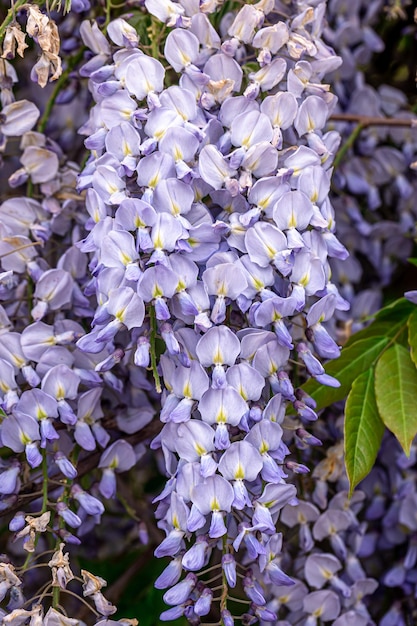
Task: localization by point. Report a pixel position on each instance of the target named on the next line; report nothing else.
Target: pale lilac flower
(215, 499)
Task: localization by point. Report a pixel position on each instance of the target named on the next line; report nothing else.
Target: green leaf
(363, 429)
(398, 309)
(396, 394)
(353, 361)
(412, 335)
(412, 261)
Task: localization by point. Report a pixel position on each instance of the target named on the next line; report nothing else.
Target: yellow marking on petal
(112, 188)
(221, 417)
(19, 362)
(222, 289)
(115, 463)
(176, 209)
(178, 155)
(185, 58)
(200, 449)
(126, 113)
(25, 440)
(40, 413)
(126, 149)
(187, 391)
(272, 368)
(159, 134)
(120, 314)
(125, 258)
(158, 242)
(139, 223)
(60, 392)
(243, 392)
(3, 387)
(301, 518)
(314, 196)
(218, 357)
(214, 504)
(326, 573)
(292, 223)
(270, 251)
(304, 281)
(154, 181)
(181, 285)
(264, 203)
(175, 521)
(240, 473)
(157, 292)
(258, 284)
(264, 447)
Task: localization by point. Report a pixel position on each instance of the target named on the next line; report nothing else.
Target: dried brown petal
(14, 36)
(92, 584)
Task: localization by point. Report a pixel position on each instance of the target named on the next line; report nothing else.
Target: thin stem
(210, 569)
(29, 569)
(71, 593)
(44, 482)
(348, 144)
(44, 504)
(154, 363)
(224, 586)
(364, 121)
(40, 594)
(56, 593)
(129, 510)
(239, 600)
(211, 580)
(26, 245)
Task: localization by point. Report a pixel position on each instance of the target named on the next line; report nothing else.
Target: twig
(368, 120)
(364, 121)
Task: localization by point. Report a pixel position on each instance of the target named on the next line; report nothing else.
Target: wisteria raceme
(165, 294)
(213, 373)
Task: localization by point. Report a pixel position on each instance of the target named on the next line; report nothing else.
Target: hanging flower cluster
(211, 228)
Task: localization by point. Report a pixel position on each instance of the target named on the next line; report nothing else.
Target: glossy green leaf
(353, 361)
(412, 335)
(363, 428)
(396, 394)
(412, 261)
